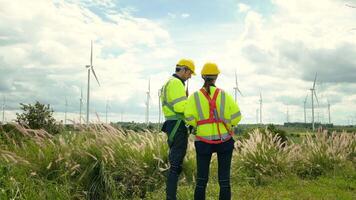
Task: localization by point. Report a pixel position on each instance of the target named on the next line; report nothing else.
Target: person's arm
(190, 111)
(234, 110)
(176, 95)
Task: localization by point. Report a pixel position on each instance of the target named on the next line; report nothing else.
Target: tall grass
(263, 155)
(102, 162)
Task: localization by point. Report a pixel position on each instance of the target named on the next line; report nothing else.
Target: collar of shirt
(175, 75)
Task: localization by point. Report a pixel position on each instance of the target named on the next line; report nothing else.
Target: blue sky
(276, 47)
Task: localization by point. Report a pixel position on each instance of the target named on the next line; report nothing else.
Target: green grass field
(109, 163)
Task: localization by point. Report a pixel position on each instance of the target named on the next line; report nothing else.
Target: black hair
(180, 67)
(209, 81)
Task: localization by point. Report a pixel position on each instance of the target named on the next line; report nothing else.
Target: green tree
(38, 116)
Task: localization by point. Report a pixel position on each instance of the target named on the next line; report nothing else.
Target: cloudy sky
(275, 46)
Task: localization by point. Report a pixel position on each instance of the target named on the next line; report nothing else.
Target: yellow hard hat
(210, 69)
(187, 63)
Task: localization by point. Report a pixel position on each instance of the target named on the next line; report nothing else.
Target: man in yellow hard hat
(174, 98)
(213, 113)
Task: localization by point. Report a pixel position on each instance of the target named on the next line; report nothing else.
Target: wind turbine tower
(313, 93)
(305, 114)
(80, 106)
(90, 68)
(260, 108)
(65, 111)
(3, 109)
(329, 111)
(236, 88)
(287, 115)
(106, 111)
(148, 93)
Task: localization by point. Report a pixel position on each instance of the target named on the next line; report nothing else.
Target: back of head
(209, 73)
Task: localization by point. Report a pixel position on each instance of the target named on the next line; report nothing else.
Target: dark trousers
(177, 151)
(204, 152)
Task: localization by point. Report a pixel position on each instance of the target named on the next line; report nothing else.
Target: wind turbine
(287, 115)
(3, 109)
(260, 108)
(329, 111)
(65, 111)
(148, 93)
(236, 88)
(80, 105)
(313, 93)
(106, 111)
(90, 68)
(305, 115)
(122, 115)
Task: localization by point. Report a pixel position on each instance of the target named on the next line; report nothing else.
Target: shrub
(38, 116)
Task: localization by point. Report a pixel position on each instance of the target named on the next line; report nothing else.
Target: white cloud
(44, 47)
(280, 54)
(185, 15)
(172, 15)
(243, 7)
(54, 39)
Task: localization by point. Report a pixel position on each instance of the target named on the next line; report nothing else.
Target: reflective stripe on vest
(224, 136)
(235, 115)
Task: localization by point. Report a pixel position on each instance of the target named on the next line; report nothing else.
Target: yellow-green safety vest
(174, 99)
(198, 109)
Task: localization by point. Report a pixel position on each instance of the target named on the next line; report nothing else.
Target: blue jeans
(204, 152)
(177, 151)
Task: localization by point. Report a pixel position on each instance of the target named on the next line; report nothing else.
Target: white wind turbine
(3, 109)
(148, 93)
(236, 88)
(106, 111)
(329, 111)
(65, 111)
(80, 105)
(287, 114)
(90, 68)
(122, 115)
(305, 115)
(260, 108)
(313, 93)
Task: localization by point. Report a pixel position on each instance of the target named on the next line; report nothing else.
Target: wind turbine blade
(149, 88)
(306, 97)
(92, 69)
(91, 53)
(236, 80)
(314, 80)
(149, 85)
(316, 97)
(351, 6)
(239, 91)
(260, 96)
